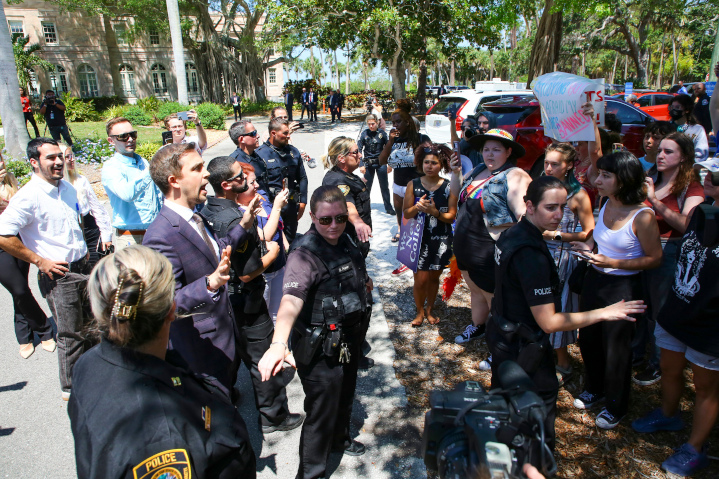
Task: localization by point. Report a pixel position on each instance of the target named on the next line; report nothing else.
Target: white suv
(465, 103)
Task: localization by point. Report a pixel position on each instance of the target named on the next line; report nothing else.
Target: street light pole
(715, 56)
(178, 51)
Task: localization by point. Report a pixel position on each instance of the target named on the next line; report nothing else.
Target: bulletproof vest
(342, 297)
(357, 190)
(511, 241)
(373, 144)
(278, 164)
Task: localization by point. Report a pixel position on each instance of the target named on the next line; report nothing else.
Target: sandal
(395, 238)
(563, 375)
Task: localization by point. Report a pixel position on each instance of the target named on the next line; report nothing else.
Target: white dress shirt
(186, 214)
(89, 203)
(47, 218)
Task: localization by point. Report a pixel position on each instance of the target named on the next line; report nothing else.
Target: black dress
(473, 245)
(436, 249)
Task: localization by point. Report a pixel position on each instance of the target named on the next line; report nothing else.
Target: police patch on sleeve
(344, 189)
(170, 464)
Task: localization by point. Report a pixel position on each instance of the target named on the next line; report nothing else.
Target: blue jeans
(381, 172)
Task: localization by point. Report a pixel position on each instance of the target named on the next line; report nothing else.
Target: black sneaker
(290, 422)
(366, 363)
(355, 448)
(470, 332)
(390, 211)
(647, 377)
(587, 400)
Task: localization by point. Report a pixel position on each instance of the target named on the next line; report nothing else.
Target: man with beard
(279, 162)
(46, 215)
(701, 107)
(246, 287)
(205, 333)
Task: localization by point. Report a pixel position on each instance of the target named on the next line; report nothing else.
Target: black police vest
(523, 234)
(342, 297)
(373, 145)
(357, 189)
(276, 165)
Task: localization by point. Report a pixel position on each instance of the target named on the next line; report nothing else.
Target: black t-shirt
(691, 311)
(527, 284)
(53, 115)
(401, 159)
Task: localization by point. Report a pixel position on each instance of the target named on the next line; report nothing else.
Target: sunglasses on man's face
(126, 136)
(239, 176)
(253, 133)
(327, 220)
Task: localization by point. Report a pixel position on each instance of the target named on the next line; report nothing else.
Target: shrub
(170, 107)
(78, 110)
(92, 150)
(115, 111)
(20, 168)
(212, 115)
(249, 107)
(102, 103)
(150, 104)
(147, 150)
(138, 116)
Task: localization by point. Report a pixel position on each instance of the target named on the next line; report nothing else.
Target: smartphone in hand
(182, 115)
(166, 137)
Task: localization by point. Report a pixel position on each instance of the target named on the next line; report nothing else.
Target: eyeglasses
(239, 176)
(253, 133)
(327, 220)
(126, 136)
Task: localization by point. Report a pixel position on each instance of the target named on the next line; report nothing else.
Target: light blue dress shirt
(134, 197)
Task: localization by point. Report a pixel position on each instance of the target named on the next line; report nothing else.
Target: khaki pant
(124, 240)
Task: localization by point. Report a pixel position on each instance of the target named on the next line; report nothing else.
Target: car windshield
(445, 103)
(510, 115)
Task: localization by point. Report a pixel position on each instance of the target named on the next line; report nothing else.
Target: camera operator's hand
(531, 472)
(455, 164)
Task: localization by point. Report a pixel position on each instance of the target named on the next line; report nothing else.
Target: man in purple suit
(205, 332)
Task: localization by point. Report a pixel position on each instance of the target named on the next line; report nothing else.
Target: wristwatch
(557, 236)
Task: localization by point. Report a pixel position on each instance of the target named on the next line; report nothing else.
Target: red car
(521, 117)
(655, 103)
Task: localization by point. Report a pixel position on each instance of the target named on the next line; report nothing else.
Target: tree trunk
(178, 50)
(312, 63)
(491, 64)
(614, 68)
(584, 63)
(547, 41)
(365, 74)
(321, 73)
(13, 120)
(337, 70)
(397, 72)
(674, 59)
(626, 68)
(660, 76)
(422, 80)
(452, 71)
(113, 55)
(347, 71)
(513, 37)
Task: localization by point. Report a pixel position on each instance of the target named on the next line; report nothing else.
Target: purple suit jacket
(207, 336)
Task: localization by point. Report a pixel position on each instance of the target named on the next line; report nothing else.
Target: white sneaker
(486, 364)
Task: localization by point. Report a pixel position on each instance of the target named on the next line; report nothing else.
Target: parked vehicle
(655, 103)
(522, 118)
(465, 103)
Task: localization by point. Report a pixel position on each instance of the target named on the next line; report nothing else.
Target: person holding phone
(527, 307)
(625, 242)
(95, 220)
(177, 125)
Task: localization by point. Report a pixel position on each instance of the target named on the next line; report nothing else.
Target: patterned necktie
(201, 224)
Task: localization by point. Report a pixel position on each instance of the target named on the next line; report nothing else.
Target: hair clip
(126, 312)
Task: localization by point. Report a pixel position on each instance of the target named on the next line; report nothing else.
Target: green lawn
(96, 129)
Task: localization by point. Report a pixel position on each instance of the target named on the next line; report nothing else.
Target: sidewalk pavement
(35, 434)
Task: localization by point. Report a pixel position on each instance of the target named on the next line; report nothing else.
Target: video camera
(472, 433)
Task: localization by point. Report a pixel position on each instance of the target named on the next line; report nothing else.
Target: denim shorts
(667, 341)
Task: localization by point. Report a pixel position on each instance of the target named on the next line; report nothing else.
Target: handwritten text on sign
(561, 96)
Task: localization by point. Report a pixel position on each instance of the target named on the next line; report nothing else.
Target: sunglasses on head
(428, 150)
(126, 136)
(327, 220)
(253, 133)
(238, 176)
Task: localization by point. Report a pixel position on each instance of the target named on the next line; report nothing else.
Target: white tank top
(619, 244)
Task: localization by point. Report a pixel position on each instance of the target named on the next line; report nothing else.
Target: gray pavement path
(35, 436)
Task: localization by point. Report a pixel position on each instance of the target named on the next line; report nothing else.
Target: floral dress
(436, 249)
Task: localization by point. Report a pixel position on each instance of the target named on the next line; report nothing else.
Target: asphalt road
(35, 436)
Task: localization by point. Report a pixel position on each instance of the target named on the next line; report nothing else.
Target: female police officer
(134, 413)
(527, 299)
(325, 299)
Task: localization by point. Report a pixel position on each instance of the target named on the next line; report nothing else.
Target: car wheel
(537, 168)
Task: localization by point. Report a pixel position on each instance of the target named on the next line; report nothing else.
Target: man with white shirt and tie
(46, 215)
(205, 333)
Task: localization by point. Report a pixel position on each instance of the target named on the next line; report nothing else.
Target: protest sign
(410, 241)
(628, 89)
(561, 96)
(710, 85)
